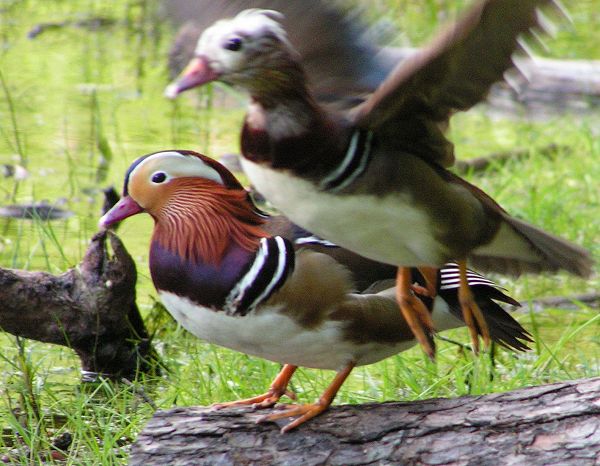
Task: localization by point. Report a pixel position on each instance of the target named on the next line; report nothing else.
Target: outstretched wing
(453, 73)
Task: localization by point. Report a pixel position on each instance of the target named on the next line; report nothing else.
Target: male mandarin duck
(373, 178)
(229, 282)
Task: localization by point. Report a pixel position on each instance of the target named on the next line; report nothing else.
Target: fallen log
(537, 87)
(90, 308)
(498, 159)
(545, 425)
(544, 87)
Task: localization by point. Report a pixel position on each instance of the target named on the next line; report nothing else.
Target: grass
(78, 106)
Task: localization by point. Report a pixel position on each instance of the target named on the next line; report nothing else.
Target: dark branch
(90, 308)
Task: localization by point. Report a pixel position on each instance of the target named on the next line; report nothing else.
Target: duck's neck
(204, 237)
(283, 82)
(243, 277)
(203, 283)
(200, 222)
(289, 130)
(289, 116)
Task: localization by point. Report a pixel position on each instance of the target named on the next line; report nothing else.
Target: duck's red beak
(126, 207)
(196, 73)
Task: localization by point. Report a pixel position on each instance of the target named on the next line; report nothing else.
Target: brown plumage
(296, 308)
(210, 233)
(343, 64)
(454, 72)
(372, 178)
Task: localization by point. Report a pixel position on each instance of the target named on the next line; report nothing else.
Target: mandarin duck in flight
(373, 178)
(228, 281)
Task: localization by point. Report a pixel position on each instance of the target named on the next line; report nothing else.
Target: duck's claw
(415, 312)
(306, 412)
(471, 312)
(266, 400)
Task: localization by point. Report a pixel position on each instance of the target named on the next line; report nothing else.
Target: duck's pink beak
(126, 207)
(196, 73)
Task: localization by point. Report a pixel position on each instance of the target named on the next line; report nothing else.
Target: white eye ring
(159, 177)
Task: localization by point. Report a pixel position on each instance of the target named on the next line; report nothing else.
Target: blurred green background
(81, 100)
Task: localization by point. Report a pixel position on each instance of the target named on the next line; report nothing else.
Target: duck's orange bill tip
(126, 207)
(197, 72)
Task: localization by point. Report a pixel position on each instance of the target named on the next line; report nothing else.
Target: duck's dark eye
(159, 177)
(234, 44)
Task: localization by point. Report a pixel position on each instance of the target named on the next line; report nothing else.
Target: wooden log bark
(546, 86)
(556, 424)
(90, 308)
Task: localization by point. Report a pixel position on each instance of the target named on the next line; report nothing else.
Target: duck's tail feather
(521, 247)
(504, 329)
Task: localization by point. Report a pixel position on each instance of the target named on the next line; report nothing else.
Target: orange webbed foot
(305, 411)
(266, 400)
(308, 411)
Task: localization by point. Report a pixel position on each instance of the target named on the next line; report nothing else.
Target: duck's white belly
(387, 229)
(271, 335)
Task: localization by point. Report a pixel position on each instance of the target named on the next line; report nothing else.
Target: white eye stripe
(176, 165)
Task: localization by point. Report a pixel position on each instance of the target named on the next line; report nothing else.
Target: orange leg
(308, 411)
(414, 311)
(430, 276)
(471, 311)
(418, 289)
(277, 390)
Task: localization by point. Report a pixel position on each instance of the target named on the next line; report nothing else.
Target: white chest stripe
(272, 263)
(314, 239)
(353, 164)
(237, 292)
(282, 265)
